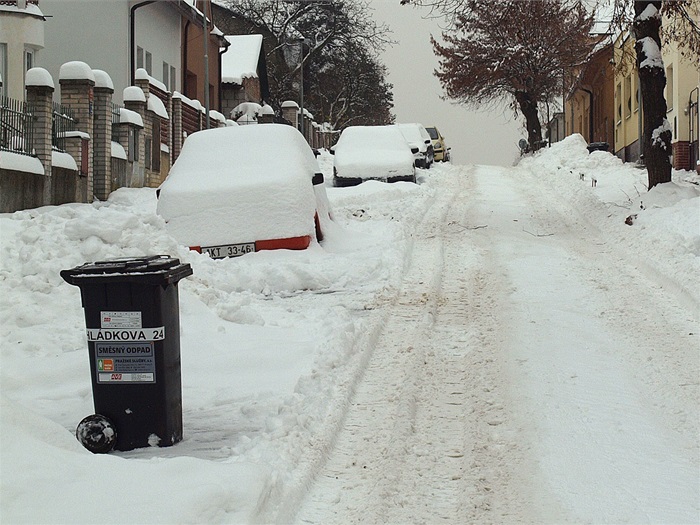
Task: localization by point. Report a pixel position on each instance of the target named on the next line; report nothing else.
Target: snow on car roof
(240, 184)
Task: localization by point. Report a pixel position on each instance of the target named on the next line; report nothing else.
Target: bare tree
(512, 51)
(326, 38)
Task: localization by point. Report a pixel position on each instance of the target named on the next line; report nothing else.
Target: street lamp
(301, 85)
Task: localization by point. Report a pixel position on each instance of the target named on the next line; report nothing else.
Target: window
(173, 85)
(628, 97)
(618, 100)
(669, 88)
(139, 57)
(166, 76)
(155, 141)
(28, 59)
(149, 63)
(148, 143)
(3, 68)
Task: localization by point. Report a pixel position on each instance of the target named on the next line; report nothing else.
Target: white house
(118, 36)
(21, 40)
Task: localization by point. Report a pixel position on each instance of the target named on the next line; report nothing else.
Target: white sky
(475, 136)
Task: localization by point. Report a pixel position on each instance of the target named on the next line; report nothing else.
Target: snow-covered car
(243, 189)
(372, 153)
(440, 149)
(418, 139)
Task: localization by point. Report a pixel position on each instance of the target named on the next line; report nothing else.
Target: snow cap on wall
(102, 79)
(38, 76)
(134, 94)
(156, 105)
(142, 74)
(126, 116)
(76, 70)
(289, 104)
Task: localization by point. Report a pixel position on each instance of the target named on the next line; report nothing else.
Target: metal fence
(63, 122)
(16, 126)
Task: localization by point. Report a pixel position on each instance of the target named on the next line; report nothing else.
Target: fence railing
(16, 126)
(63, 122)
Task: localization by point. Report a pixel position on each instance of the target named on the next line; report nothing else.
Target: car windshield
(432, 132)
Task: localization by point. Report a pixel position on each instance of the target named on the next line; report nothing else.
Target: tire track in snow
(419, 444)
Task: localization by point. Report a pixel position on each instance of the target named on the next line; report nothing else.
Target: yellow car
(440, 150)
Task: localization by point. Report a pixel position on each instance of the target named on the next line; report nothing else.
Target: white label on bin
(126, 335)
(120, 320)
(125, 362)
(125, 378)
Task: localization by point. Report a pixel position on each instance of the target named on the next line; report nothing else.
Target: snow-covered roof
(30, 9)
(241, 59)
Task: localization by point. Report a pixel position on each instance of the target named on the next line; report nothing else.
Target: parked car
(372, 153)
(442, 152)
(418, 138)
(242, 189)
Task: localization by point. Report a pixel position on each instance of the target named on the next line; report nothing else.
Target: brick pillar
(681, 155)
(102, 143)
(39, 100)
(176, 117)
(290, 112)
(78, 94)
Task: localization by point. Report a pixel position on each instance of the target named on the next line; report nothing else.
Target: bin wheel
(97, 434)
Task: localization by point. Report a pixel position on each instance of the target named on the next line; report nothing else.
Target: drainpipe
(132, 39)
(590, 114)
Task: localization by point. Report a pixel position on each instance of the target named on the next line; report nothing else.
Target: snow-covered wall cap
(307, 114)
(230, 122)
(102, 79)
(196, 104)
(126, 116)
(142, 74)
(217, 116)
(76, 70)
(156, 105)
(267, 110)
(38, 76)
(290, 104)
(133, 94)
(118, 151)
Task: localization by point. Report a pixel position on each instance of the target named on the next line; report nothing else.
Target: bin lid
(153, 269)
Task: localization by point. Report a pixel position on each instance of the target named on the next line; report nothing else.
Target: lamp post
(301, 86)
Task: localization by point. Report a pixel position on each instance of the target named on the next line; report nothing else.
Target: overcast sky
(476, 137)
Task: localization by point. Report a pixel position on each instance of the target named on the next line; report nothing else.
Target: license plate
(229, 250)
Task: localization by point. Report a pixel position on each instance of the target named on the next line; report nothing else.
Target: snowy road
(520, 331)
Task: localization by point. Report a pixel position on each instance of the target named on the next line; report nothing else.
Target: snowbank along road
(527, 372)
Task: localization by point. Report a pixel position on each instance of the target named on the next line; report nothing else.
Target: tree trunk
(528, 107)
(656, 134)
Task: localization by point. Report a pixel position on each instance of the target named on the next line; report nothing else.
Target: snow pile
(268, 354)
(661, 225)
